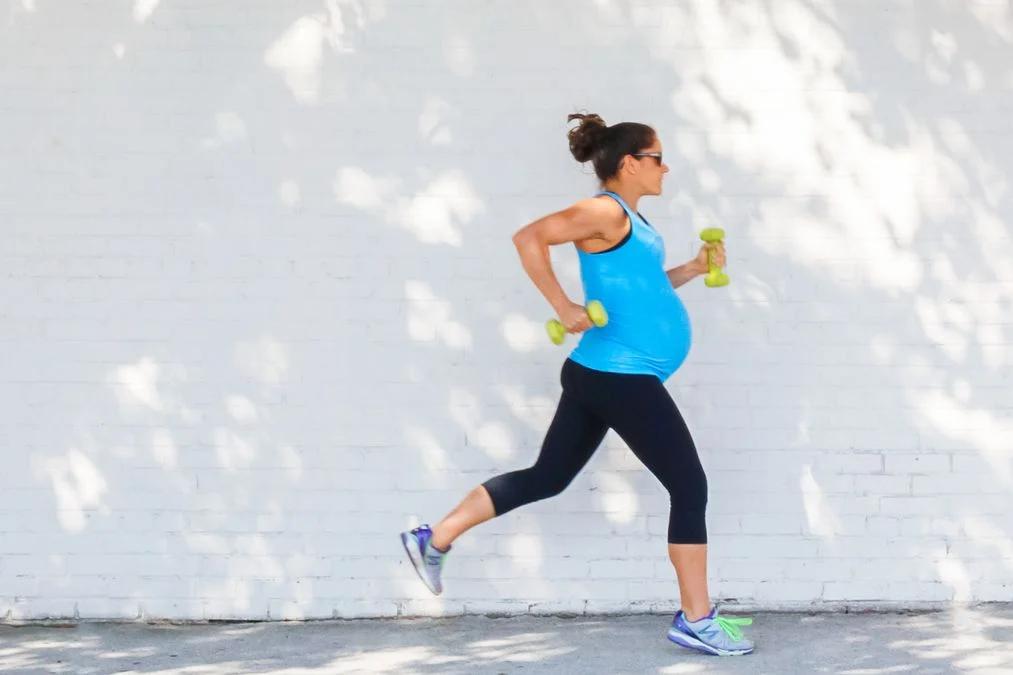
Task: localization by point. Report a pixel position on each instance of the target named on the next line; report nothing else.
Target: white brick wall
(259, 308)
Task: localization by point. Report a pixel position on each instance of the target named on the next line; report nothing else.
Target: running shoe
(426, 558)
(712, 634)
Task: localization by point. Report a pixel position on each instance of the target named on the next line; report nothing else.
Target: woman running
(614, 378)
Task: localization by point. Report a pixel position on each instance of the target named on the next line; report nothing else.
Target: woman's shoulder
(612, 223)
(602, 208)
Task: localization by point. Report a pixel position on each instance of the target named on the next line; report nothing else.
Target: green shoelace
(731, 626)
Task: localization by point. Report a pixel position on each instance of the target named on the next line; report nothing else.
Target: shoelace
(731, 626)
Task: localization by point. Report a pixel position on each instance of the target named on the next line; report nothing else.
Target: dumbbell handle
(595, 311)
(715, 275)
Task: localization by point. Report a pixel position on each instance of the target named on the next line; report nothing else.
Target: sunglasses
(655, 155)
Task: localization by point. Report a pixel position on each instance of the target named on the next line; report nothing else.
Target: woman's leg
(475, 508)
(573, 436)
(644, 415)
(690, 562)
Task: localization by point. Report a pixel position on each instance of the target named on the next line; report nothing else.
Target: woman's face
(650, 169)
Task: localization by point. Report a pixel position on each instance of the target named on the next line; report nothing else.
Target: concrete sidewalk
(961, 640)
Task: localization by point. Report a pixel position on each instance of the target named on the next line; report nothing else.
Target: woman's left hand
(718, 255)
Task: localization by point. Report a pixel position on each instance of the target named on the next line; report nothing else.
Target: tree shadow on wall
(315, 328)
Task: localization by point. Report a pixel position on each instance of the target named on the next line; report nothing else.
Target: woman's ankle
(693, 615)
(438, 542)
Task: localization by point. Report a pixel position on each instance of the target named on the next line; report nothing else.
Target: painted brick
(243, 347)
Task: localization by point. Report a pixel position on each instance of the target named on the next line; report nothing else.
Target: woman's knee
(516, 488)
(542, 484)
(689, 491)
(687, 523)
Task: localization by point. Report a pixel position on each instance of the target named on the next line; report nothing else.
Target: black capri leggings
(641, 411)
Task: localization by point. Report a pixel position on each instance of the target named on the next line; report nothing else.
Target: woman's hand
(574, 318)
(718, 256)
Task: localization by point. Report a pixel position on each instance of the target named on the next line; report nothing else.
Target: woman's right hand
(574, 318)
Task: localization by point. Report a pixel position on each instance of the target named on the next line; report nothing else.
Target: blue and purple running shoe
(426, 558)
(712, 634)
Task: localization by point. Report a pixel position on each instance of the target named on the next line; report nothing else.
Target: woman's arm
(697, 266)
(583, 220)
(684, 273)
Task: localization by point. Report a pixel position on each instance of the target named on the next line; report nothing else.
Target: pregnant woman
(614, 378)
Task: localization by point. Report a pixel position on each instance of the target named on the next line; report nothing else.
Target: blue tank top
(648, 331)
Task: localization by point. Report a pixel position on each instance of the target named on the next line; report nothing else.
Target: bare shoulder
(611, 224)
(602, 210)
(591, 221)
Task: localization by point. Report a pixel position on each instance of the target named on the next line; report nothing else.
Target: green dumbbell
(595, 311)
(715, 276)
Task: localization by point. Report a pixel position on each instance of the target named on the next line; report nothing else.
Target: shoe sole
(690, 642)
(411, 547)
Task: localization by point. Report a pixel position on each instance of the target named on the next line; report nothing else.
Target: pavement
(973, 639)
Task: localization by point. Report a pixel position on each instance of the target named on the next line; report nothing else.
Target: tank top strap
(622, 203)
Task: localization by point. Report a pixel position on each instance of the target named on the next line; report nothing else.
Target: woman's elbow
(523, 237)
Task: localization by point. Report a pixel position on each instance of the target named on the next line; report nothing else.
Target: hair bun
(585, 138)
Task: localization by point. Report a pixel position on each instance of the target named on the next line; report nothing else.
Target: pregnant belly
(660, 330)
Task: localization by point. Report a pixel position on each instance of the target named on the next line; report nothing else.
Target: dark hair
(604, 145)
